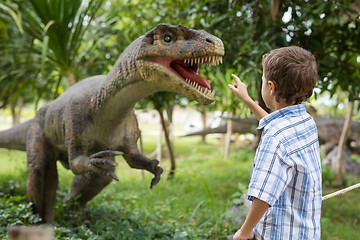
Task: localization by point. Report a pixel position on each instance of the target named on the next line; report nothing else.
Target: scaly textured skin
(93, 121)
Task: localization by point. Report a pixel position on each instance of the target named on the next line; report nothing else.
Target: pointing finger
(237, 79)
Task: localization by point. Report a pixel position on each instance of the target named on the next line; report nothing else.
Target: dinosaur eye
(167, 39)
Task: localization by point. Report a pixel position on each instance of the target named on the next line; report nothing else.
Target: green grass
(190, 206)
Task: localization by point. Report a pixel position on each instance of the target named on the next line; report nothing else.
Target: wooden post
(31, 233)
(342, 141)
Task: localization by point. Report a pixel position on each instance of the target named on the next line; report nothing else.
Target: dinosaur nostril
(208, 40)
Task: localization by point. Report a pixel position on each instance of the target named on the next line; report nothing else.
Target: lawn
(193, 205)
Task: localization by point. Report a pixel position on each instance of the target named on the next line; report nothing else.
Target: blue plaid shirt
(287, 175)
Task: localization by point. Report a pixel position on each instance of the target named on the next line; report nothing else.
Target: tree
(164, 102)
(20, 64)
(61, 26)
(331, 31)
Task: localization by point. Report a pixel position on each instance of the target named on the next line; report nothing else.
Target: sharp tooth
(221, 60)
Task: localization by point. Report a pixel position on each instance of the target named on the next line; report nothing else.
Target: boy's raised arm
(239, 89)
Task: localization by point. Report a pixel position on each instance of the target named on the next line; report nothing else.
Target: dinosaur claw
(113, 175)
(103, 161)
(156, 179)
(106, 153)
(116, 153)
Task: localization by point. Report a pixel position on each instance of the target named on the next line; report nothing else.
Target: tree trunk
(159, 144)
(16, 111)
(342, 142)
(228, 136)
(141, 148)
(203, 118)
(169, 112)
(71, 79)
(172, 166)
(275, 9)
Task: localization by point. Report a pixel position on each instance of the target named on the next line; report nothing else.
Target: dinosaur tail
(15, 138)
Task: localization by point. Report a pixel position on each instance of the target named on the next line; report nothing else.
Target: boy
(285, 184)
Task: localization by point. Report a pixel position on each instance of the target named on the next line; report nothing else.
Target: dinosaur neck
(123, 87)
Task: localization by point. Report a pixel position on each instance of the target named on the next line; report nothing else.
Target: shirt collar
(293, 110)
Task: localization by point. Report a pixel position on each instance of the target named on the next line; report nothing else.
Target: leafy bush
(193, 205)
(15, 211)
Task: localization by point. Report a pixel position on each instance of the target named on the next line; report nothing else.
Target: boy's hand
(239, 89)
(240, 236)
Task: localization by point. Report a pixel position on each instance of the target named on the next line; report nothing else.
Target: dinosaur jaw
(187, 72)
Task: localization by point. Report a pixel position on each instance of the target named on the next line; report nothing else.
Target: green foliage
(328, 178)
(331, 33)
(86, 39)
(340, 215)
(15, 210)
(194, 205)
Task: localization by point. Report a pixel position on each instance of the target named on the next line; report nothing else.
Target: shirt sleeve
(270, 173)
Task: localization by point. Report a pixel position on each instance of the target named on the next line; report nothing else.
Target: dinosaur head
(169, 58)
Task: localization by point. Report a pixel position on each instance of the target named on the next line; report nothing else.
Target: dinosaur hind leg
(42, 180)
(84, 187)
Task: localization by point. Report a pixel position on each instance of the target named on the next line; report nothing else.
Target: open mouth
(188, 71)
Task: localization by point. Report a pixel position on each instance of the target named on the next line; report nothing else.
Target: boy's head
(294, 72)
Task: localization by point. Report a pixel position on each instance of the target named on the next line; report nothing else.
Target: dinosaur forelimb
(157, 171)
(97, 163)
(139, 161)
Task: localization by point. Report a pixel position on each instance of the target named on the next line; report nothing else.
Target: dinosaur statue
(93, 121)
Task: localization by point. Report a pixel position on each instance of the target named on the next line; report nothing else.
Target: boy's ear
(272, 86)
